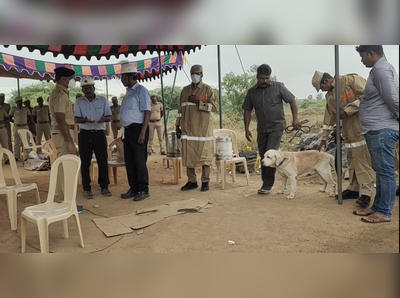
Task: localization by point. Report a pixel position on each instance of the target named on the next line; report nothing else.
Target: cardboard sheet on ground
(125, 224)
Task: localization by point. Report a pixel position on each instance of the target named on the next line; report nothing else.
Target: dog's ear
(278, 157)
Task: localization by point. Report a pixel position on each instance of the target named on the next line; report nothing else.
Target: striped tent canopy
(107, 51)
(19, 67)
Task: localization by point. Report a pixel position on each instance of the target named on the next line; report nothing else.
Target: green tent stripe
(166, 60)
(110, 69)
(40, 66)
(78, 70)
(140, 65)
(1, 58)
(93, 50)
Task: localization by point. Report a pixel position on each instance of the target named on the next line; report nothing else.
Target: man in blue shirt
(379, 116)
(92, 112)
(135, 116)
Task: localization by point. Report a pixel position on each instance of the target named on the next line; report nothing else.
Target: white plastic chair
(114, 164)
(12, 191)
(44, 214)
(221, 164)
(49, 148)
(28, 141)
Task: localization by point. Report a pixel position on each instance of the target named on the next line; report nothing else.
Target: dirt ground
(312, 222)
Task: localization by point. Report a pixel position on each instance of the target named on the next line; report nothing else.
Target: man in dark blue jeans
(379, 116)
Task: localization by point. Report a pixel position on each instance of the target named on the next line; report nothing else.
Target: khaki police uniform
(20, 122)
(155, 123)
(3, 129)
(197, 126)
(361, 174)
(7, 108)
(115, 120)
(42, 123)
(32, 124)
(59, 102)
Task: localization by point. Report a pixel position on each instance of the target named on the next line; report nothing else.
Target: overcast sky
(291, 64)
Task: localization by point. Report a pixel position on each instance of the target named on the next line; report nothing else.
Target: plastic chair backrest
(227, 133)
(70, 165)
(26, 135)
(116, 143)
(13, 166)
(50, 147)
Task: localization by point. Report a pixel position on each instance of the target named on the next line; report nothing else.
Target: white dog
(292, 164)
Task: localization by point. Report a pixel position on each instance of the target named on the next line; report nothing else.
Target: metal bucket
(174, 148)
(223, 148)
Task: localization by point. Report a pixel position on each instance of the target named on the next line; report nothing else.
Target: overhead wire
(240, 59)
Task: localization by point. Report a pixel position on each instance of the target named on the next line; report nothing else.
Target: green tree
(35, 90)
(171, 100)
(320, 96)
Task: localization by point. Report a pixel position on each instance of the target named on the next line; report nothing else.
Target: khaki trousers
(17, 140)
(8, 127)
(115, 127)
(42, 128)
(205, 176)
(4, 138)
(62, 149)
(152, 127)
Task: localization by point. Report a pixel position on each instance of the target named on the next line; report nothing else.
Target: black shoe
(87, 194)
(141, 195)
(349, 194)
(16, 159)
(204, 186)
(106, 192)
(397, 191)
(129, 194)
(163, 153)
(364, 201)
(189, 186)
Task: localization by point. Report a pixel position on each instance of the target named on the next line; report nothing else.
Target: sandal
(364, 212)
(375, 218)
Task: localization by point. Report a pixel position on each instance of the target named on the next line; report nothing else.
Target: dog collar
(282, 162)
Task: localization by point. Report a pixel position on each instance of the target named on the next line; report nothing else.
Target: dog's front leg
(293, 185)
(284, 183)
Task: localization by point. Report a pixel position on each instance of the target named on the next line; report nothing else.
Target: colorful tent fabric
(19, 67)
(107, 51)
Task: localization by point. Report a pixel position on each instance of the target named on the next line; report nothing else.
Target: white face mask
(71, 83)
(196, 78)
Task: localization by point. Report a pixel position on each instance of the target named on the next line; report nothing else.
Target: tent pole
(162, 98)
(338, 128)
(172, 92)
(18, 88)
(107, 88)
(219, 85)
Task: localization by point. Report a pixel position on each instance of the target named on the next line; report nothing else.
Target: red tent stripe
(123, 49)
(55, 48)
(30, 64)
(80, 50)
(102, 70)
(105, 49)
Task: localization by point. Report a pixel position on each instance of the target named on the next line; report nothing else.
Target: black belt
(154, 120)
(91, 130)
(133, 125)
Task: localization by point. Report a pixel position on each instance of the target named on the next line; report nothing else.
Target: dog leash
(303, 128)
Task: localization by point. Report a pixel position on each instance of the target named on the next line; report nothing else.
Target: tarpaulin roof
(20, 67)
(107, 51)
